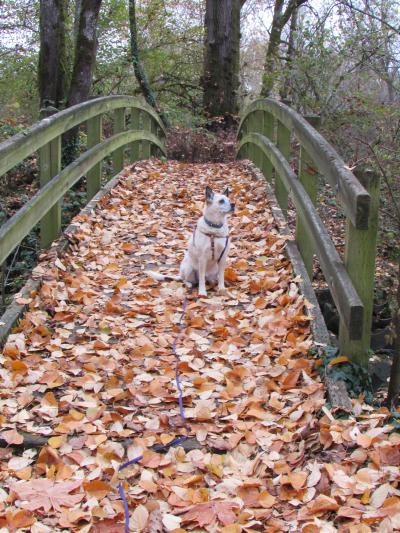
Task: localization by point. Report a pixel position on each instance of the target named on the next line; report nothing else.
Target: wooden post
(134, 148)
(50, 166)
(283, 144)
(119, 126)
(146, 145)
(269, 132)
(359, 259)
(252, 128)
(259, 128)
(93, 178)
(308, 176)
(244, 131)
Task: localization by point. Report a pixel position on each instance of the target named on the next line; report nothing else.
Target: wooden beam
(93, 178)
(18, 226)
(22, 145)
(308, 176)
(359, 258)
(50, 166)
(118, 127)
(352, 195)
(348, 303)
(283, 144)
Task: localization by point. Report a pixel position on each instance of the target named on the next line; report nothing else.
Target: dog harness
(212, 239)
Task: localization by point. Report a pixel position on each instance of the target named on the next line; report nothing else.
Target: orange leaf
(97, 488)
(337, 360)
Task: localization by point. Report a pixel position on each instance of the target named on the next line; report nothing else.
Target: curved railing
(135, 126)
(265, 137)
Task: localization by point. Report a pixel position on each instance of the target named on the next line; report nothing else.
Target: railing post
(252, 128)
(134, 148)
(308, 176)
(146, 145)
(283, 144)
(119, 126)
(93, 178)
(269, 132)
(50, 166)
(259, 128)
(359, 259)
(245, 150)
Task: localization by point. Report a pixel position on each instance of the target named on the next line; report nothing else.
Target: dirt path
(91, 368)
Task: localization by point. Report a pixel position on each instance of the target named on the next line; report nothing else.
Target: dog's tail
(161, 277)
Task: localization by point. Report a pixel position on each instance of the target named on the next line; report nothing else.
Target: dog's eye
(221, 201)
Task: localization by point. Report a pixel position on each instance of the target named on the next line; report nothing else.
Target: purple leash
(176, 441)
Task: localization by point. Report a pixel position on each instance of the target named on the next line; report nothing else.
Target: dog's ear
(226, 192)
(209, 194)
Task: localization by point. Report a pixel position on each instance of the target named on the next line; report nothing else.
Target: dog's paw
(202, 294)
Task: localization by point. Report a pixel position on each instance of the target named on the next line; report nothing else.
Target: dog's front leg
(202, 276)
(221, 273)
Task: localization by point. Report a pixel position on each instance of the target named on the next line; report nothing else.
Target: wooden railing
(136, 128)
(264, 136)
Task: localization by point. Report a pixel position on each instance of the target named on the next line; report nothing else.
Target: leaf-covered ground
(91, 368)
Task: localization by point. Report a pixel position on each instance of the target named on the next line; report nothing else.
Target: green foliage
(356, 377)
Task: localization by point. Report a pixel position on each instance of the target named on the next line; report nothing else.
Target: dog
(208, 247)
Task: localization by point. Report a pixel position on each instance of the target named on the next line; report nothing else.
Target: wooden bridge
(265, 137)
(122, 408)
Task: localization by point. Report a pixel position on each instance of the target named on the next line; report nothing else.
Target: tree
(85, 52)
(137, 65)
(280, 18)
(221, 56)
(53, 67)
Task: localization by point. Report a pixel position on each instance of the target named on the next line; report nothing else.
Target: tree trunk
(279, 21)
(85, 53)
(52, 70)
(286, 88)
(394, 383)
(221, 56)
(138, 67)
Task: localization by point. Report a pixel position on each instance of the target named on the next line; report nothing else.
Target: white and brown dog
(208, 247)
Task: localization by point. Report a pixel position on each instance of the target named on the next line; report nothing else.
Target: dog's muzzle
(232, 208)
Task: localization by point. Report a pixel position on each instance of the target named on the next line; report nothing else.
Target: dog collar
(212, 224)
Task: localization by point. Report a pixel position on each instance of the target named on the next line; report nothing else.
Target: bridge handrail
(266, 129)
(140, 136)
(20, 146)
(18, 226)
(339, 282)
(352, 195)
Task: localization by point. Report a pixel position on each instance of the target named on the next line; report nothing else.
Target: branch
(369, 14)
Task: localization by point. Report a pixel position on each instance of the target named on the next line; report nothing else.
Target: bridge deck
(91, 368)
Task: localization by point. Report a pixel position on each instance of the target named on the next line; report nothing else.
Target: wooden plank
(269, 131)
(50, 166)
(283, 144)
(347, 301)
(118, 127)
(308, 176)
(351, 194)
(134, 148)
(252, 128)
(18, 226)
(22, 145)
(93, 178)
(359, 258)
(145, 146)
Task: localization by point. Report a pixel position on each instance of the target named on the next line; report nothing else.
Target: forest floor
(91, 373)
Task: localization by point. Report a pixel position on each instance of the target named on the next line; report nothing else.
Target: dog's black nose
(232, 207)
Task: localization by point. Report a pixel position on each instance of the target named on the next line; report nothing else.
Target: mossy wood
(351, 282)
(351, 194)
(18, 226)
(22, 145)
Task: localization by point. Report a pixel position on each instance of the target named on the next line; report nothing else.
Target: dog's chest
(211, 245)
